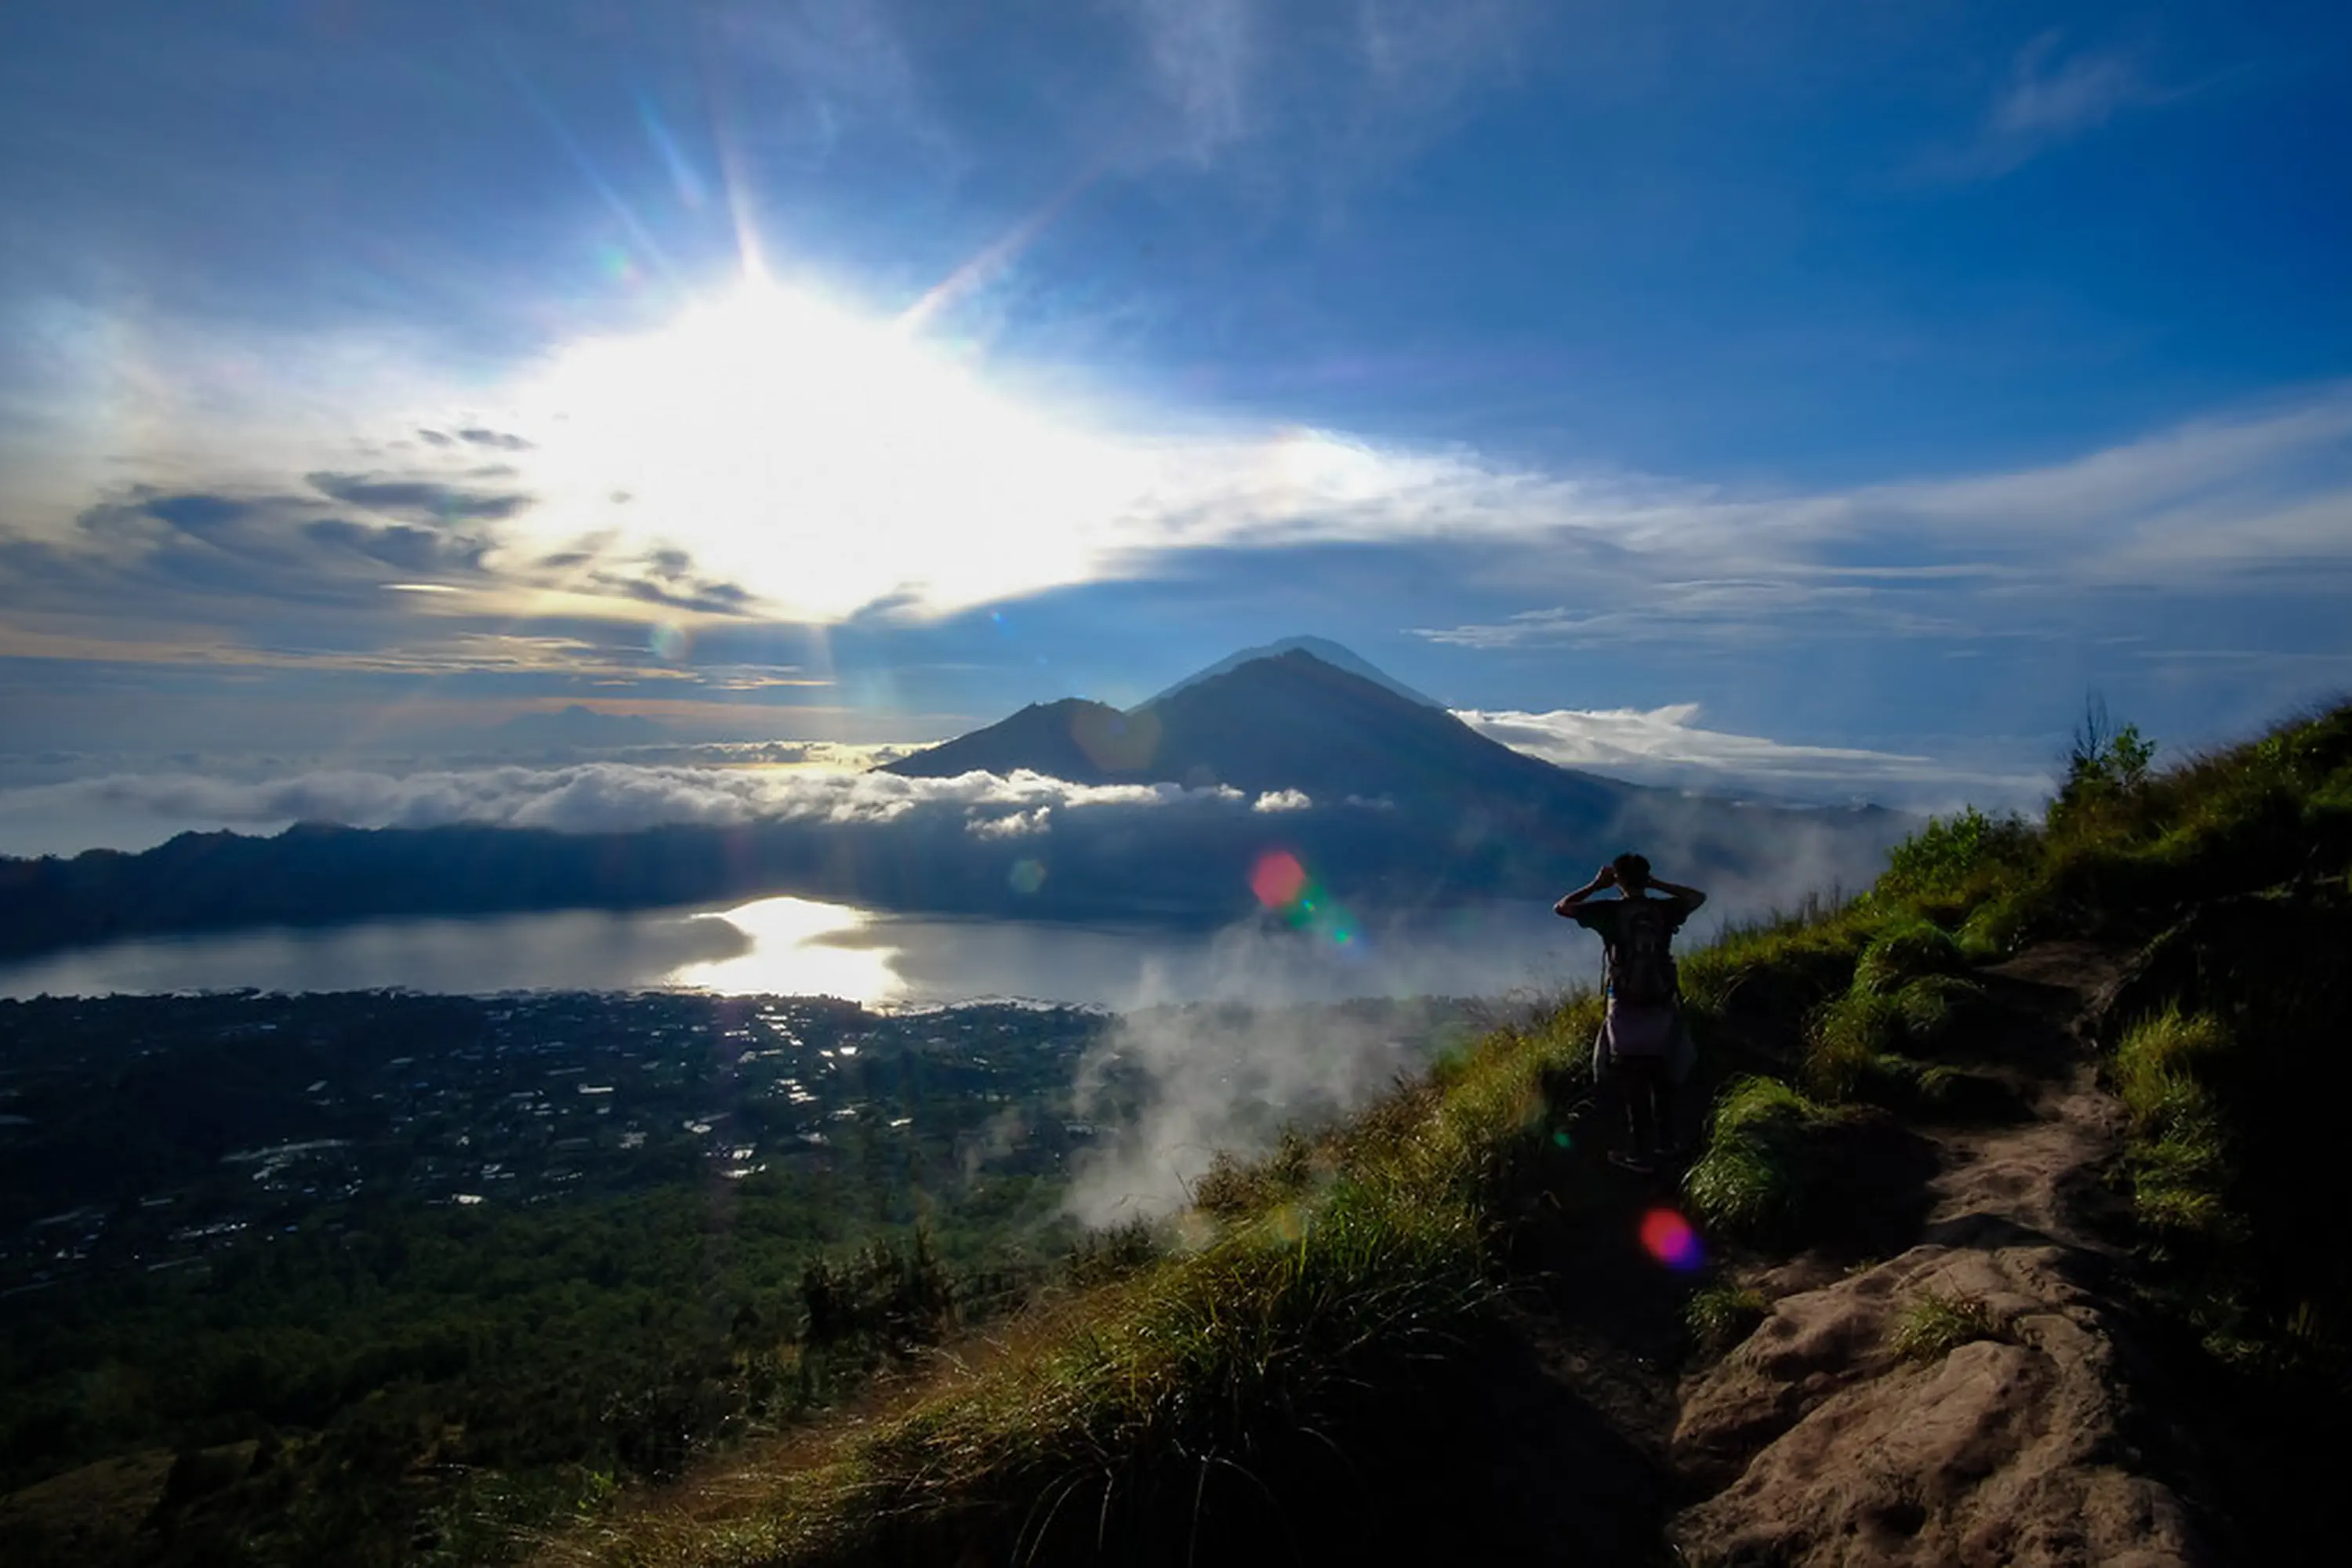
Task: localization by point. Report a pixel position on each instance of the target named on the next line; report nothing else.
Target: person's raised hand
(1606, 877)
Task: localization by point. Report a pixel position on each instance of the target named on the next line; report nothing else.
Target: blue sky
(1860, 378)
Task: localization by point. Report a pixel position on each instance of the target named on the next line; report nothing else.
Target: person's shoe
(1634, 1163)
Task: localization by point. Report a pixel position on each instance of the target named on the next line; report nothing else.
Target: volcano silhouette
(1286, 722)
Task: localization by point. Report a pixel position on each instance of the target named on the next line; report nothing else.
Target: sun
(825, 460)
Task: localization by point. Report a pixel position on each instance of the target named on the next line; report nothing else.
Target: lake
(787, 946)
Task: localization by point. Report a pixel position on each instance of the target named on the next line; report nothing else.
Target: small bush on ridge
(1934, 1325)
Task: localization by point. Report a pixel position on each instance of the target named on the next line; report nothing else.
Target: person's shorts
(1633, 1031)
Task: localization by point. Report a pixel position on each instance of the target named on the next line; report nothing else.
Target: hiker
(1643, 1045)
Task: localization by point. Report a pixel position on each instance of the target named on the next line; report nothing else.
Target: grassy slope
(1280, 1378)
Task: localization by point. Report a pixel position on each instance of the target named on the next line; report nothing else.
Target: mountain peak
(1322, 648)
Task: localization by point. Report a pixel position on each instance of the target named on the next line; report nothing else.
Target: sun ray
(991, 261)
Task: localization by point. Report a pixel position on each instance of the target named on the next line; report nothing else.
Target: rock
(1825, 1445)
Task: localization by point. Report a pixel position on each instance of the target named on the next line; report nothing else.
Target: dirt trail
(1828, 1447)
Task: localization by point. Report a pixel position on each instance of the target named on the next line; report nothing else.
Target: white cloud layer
(1668, 746)
(596, 797)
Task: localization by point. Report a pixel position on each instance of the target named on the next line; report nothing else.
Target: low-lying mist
(1173, 1084)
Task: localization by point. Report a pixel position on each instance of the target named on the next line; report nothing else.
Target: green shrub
(1721, 1315)
(1931, 1009)
(1905, 952)
(1236, 1189)
(2156, 1066)
(1812, 946)
(1953, 859)
(1890, 1080)
(1996, 928)
(2179, 1155)
(1763, 1158)
(1933, 1325)
(1846, 1040)
(2107, 788)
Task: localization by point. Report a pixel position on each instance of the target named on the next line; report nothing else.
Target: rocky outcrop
(1969, 1401)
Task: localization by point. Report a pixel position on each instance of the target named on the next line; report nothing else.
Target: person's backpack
(1642, 960)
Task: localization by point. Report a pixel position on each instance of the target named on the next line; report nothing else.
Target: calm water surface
(795, 946)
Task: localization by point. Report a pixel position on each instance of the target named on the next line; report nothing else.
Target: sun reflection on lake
(797, 947)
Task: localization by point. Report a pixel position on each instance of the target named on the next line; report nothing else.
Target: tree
(2106, 760)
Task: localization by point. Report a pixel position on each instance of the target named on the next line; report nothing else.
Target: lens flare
(1026, 876)
(1284, 886)
(669, 642)
(619, 265)
(1277, 880)
(1669, 1238)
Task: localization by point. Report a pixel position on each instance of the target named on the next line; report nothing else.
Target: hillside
(1999, 1247)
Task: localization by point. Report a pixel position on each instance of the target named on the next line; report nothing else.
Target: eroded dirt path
(1821, 1444)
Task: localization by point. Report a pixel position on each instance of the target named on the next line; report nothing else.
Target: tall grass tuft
(1225, 1362)
(1931, 1009)
(1905, 952)
(2156, 1066)
(1762, 1162)
(1846, 1041)
(1933, 1325)
(1721, 1315)
(2180, 1154)
(1814, 944)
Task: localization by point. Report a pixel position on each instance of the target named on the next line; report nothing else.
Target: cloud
(420, 500)
(1666, 746)
(411, 548)
(605, 797)
(2050, 98)
(1201, 56)
(920, 492)
(2212, 507)
(664, 577)
(836, 65)
(150, 555)
(500, 439)
(2244, 495)
(1012, 824)
(282, 578)
(830, 756)
(1343, 89)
